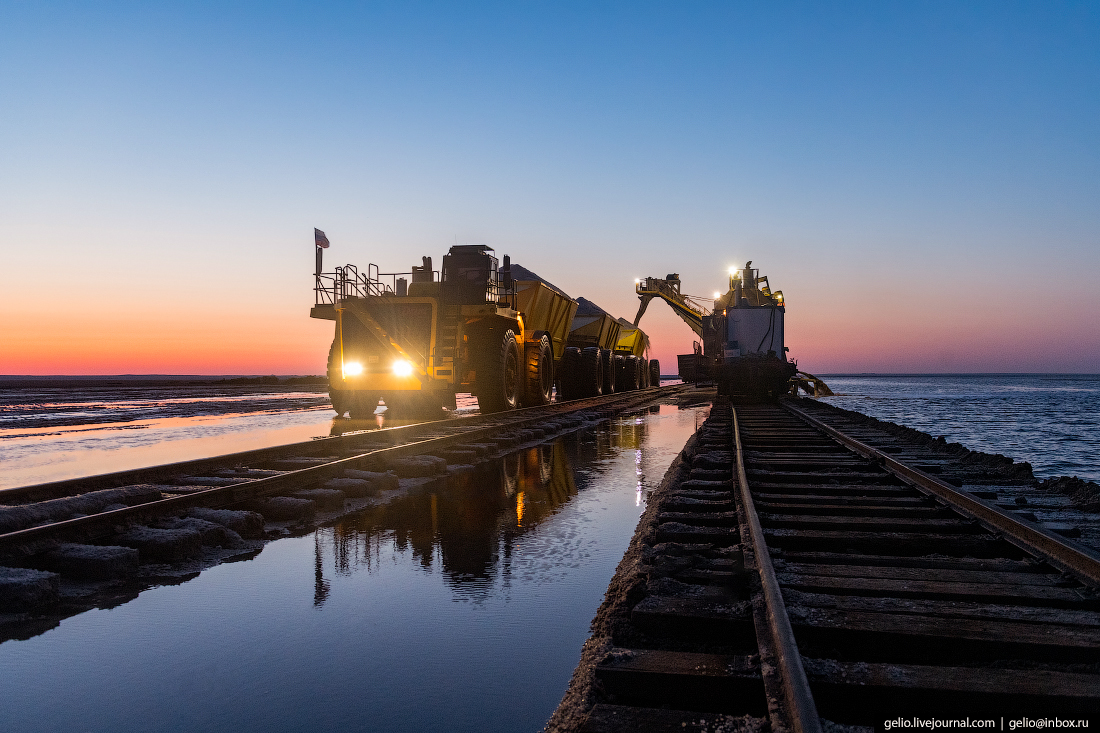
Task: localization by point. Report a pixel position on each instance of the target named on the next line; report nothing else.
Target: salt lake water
(52, 430)
(1049, 420)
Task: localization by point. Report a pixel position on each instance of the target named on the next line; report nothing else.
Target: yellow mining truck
(637, 371)
(416, 339)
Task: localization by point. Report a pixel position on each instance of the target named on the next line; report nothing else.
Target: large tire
(342, 399)
(629, 374)
(643, 373)
(499, 377)
(634, 372)
(654, 373)
(539, 374)
(609, 372)
(591, 372)
(570, 374)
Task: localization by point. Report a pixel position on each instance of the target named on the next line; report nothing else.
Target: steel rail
(799, 700)
(105, 523)
(151, 474)
(1068, 556)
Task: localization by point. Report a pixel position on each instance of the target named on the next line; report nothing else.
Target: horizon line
(271, 374)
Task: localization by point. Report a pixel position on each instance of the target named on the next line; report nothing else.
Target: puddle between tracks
(461, 607)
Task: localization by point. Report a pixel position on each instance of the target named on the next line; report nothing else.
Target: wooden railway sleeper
(893, 678)
(774, 632)
(1068, 556)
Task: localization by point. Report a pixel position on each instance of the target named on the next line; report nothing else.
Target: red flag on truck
(320, 238)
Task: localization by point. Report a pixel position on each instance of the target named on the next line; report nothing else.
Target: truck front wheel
(341, 399)
(498, 375)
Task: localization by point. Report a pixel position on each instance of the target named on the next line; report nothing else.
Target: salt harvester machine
(416, 339)
(742, 336)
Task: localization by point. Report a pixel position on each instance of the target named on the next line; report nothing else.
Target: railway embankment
(813, 568)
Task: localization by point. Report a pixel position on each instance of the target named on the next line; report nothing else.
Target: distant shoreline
(165, 380)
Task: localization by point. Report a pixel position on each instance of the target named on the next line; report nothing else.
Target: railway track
(790, 576)
(104, 526)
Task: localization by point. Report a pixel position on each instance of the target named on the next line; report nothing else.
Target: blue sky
(921, 179)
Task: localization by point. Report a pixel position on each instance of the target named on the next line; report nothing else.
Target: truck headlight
(352, 368)
(402, 368)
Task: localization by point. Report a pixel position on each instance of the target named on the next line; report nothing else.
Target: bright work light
(352, 368)
(402, 368)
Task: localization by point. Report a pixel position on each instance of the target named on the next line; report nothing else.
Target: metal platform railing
(347, 282)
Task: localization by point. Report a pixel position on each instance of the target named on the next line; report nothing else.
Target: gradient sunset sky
(922, 180)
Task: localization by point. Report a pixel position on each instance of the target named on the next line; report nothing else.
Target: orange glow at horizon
(138, 347)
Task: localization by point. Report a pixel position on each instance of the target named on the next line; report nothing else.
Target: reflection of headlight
(352, 368)
(402, 368)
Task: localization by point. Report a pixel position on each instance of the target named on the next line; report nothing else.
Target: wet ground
(50, 432)
(460, 607)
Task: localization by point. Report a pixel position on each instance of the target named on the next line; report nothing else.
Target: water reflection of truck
(477, 325)
(467, 525)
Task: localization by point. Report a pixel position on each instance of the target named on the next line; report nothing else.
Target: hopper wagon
(602, 354)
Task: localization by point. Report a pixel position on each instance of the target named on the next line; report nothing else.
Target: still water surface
(460, 608)
(53, 433)
(48, 432)
(1050, 420)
